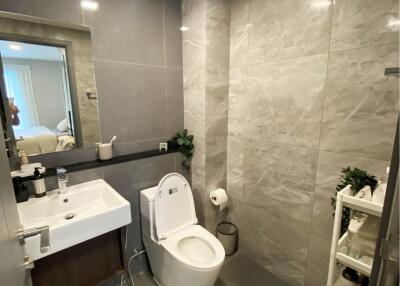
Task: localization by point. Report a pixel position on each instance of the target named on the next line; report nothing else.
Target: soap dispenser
(38, 184)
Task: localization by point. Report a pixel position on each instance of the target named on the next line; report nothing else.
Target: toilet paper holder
(219, 198)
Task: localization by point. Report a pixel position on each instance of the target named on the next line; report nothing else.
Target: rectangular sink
(87, 210)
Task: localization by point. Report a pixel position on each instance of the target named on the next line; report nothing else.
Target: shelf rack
(346, 199)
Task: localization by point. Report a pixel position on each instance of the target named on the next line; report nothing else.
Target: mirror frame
(67, 45)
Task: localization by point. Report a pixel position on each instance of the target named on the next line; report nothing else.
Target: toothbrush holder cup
(105, 151)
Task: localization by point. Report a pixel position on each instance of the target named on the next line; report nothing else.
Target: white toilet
(181, 253)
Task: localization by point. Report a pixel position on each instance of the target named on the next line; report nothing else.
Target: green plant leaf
(186, 146)
(358, 179)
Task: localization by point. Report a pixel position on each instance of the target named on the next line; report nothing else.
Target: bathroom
(285, 102)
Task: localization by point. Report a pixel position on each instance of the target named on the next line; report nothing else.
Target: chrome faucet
(62, 180)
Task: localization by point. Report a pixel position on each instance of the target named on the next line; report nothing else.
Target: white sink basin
(95, 208)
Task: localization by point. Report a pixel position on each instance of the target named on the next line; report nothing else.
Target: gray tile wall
(307, 96)
(206, 84)
(137, 52)
(194, 81)
(137, 55)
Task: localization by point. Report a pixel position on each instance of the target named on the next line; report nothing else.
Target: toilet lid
(174, 205)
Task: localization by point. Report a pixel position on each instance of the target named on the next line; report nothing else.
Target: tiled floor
(144, 280)
(237, 271)
(240, 271)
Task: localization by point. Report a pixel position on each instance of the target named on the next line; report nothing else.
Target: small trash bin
(227, 233)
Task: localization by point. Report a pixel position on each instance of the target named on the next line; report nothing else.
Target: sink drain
(69, 216)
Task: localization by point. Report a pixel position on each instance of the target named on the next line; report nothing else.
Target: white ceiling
(30, 51)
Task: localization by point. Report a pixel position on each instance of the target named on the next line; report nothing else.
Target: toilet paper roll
(219, 198)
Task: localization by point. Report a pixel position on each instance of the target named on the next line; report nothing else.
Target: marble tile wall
(194, 86)
(137, 54)
(307, 96)
(217, 88)
(360, 109)
(206, 79)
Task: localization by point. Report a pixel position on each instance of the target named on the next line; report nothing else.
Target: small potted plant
(184, 144)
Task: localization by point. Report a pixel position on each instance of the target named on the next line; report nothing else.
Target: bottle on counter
(24, 158)
(38, 183)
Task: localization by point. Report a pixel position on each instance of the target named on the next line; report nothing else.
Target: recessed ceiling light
(321, 4)
(15, 47)
(89, 5)
(393, 23)
(184, 28)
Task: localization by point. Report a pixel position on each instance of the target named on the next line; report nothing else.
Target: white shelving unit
(346, 199)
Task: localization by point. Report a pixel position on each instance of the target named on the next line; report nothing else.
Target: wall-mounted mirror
(47, 85)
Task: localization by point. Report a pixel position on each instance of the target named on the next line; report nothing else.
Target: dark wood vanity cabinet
(89, 263)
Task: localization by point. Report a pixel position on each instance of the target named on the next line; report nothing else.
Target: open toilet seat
(180, 251)
(177, 229)
(196, 248)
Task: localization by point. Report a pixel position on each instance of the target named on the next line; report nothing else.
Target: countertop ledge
(98, 163)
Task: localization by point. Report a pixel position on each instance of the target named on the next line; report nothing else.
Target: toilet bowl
(180, 251)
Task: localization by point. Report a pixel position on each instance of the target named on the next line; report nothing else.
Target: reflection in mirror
(39, 97)
(49, 101)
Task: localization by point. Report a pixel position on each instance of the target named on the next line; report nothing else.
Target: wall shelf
(98, 163)
(362, 265)
(355, 202)
(346, 199)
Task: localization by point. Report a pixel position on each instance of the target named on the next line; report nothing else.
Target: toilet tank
(147, 213)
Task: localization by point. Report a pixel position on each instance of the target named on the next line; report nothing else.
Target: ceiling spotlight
(89, 5)
(320, 4)
(394, 23)
(15, 47)
(184, 28)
